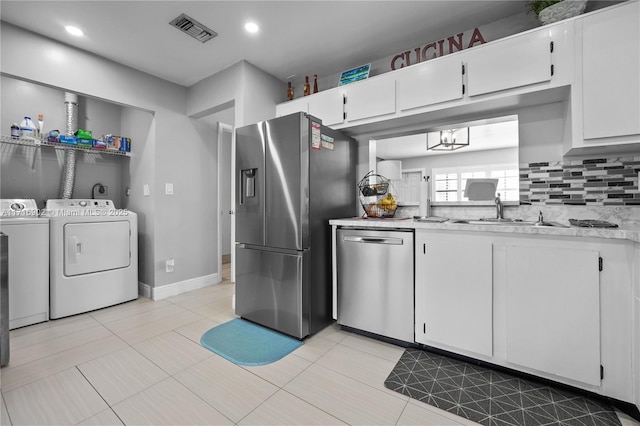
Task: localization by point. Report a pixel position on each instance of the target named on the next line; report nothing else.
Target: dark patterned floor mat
(491, 397)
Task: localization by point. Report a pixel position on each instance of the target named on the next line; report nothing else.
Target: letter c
(395, 58)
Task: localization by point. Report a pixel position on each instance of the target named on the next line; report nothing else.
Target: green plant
(536, 6)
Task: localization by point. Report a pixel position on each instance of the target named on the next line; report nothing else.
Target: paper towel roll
(424, 195)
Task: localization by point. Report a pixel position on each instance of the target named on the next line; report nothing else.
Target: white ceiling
(296, 37)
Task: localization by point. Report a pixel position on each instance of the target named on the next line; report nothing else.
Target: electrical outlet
(169, 264)
(168, 188)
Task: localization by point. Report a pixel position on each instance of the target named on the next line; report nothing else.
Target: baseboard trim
(173, 289)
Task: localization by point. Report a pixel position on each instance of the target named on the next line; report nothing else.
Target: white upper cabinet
(511, 63)
(327, 106)
(289, 107)
(610, 72)
(436, 81)
(371, 98)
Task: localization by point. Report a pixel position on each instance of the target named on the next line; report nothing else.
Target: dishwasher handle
(373, 240)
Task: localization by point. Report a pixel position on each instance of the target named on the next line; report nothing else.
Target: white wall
(43, 181)
(250, 91)
(168, 145)
(140, 125)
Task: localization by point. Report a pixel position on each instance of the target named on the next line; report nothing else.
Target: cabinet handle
(551, 46)
(424, 249)
(551, 70)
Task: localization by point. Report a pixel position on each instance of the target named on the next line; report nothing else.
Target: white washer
(93, 255)
(28, 261)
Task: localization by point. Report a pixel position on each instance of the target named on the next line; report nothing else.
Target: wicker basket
(373, 189)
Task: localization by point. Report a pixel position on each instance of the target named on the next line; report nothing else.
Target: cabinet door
(438, 80)
(371, 98)
(453, 294)
(327, 106)
(511, 63)
(610, 69)
(553, 311)
(290, 107)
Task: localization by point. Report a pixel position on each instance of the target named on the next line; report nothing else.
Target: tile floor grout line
(198, 396)
(101, 397)
(357, 380)
(53, 374)
(6, 408)
(10, 367)
(151, 337)
(49, 329)
(259, 405)
(151, 361)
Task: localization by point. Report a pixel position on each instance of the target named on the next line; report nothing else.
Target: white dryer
(93, 255)
(28, 249)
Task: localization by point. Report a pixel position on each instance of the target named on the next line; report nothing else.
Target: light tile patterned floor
(141, 363)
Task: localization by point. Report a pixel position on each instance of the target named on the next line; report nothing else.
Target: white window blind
(449, 183)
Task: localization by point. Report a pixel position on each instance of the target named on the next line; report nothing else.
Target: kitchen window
(448, 183)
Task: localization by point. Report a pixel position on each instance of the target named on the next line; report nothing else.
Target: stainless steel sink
(505, 222)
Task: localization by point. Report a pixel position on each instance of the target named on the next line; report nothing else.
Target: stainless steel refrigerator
(293, 175)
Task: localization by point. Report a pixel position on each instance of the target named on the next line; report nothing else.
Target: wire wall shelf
(36, 144)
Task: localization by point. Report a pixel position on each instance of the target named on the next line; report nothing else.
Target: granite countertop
(622, 233)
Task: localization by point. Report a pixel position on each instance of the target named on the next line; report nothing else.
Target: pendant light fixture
(449, 140)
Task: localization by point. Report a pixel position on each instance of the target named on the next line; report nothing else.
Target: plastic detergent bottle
(28, 128)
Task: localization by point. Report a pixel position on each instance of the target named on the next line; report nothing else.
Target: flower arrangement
(536, 6)
(549, 11)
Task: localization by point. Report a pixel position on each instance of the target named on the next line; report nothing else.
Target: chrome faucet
(499, 207)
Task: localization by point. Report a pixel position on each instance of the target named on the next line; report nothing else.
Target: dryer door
(95, 247)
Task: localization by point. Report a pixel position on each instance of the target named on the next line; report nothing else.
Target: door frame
(222, 128)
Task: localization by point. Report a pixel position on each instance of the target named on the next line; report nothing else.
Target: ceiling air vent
(194, 28)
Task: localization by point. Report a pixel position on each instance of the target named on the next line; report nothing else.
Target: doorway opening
(226, 223)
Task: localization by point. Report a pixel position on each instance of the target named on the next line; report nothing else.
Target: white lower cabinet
(539, 304)
(553, 310)
(453, 292)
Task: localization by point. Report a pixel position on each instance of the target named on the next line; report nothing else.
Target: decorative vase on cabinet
(561, 10)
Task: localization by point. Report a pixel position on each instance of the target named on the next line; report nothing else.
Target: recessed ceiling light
(74, 30)
(251, 27)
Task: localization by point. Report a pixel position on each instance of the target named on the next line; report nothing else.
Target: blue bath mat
(245, 343)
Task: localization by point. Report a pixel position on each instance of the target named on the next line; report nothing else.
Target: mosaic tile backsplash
(611, 181)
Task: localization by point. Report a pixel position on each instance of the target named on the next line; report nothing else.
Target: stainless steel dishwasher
(375, 281)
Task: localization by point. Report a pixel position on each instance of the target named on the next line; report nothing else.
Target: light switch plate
(169, 264)
(168, 188)
(145, 190)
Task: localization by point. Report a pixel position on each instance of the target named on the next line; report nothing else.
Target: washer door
(96, 246)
